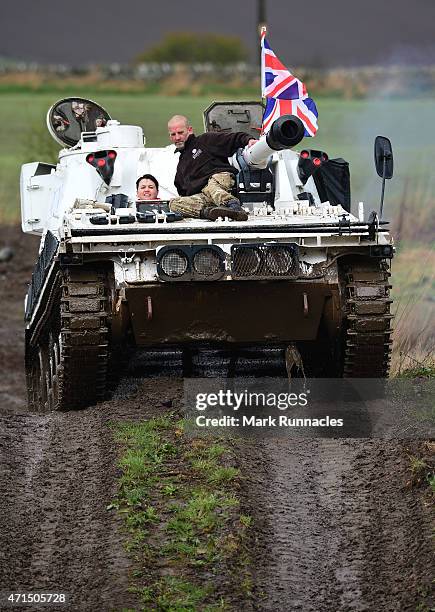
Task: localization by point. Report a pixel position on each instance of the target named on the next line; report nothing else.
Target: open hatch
(234, 117)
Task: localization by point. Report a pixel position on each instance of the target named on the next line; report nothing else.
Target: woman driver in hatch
(147, 188)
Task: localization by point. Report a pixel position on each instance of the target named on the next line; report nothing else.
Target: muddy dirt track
(336, 527)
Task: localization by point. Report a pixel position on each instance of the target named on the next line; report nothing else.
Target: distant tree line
(190, 47)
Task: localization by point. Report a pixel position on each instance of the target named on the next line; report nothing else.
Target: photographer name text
(269, 421)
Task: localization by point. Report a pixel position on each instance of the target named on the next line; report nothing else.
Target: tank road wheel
(66, 368)
(52, 375)
(55, 370)
(35, 379)
(39, 378)
(366, 337)
(31, 383)
(29, 368)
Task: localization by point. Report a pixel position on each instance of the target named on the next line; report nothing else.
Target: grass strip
(178, 497)
(422, 466)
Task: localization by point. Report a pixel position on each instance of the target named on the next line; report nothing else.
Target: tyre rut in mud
(335, 526)
(57, 476)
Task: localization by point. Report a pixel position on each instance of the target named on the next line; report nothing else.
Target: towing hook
(305, 298)
(149, 305)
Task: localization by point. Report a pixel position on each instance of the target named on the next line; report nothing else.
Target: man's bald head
(179, 119)
(179, 130)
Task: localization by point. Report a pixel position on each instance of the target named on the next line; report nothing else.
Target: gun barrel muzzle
(286, 132)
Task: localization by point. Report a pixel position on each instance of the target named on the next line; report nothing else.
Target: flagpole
(263, 32)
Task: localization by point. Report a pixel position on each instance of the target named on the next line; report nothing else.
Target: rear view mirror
(383, 157)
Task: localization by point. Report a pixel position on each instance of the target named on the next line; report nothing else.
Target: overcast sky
(317, 33)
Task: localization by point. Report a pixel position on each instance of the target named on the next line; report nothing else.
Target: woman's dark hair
(150, 177)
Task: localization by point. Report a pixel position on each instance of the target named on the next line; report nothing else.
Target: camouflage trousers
(215, 193)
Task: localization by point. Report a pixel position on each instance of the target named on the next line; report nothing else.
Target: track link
(83, 340)
(368, 320)
(67, 368)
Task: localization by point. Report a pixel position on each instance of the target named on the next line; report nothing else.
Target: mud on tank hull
(73, 348)
(283, 311)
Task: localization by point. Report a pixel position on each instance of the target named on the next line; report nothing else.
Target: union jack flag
(284, 93)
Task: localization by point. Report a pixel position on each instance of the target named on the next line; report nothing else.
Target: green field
(23, 135)
(346, 129)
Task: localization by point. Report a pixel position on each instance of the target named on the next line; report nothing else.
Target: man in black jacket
(204, 177)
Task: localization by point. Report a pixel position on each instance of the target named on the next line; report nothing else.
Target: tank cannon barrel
(286, 132)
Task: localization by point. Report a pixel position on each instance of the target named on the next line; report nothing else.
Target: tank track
(367, 339)
(68, 351)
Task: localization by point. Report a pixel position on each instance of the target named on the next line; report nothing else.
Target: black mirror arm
(388, 155)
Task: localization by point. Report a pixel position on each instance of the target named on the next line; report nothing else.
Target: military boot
(213, 212)
(236, 208)
(234, 204)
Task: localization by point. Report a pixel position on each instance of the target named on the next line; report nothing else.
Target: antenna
(261, 20)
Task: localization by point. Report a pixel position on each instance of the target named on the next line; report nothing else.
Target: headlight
(264, 261)
(379, 250)
(190, 263)
(174, 263)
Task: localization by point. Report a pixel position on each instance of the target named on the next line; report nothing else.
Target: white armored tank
(112, 272)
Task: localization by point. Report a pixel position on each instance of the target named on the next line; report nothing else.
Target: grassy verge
(420, 369)
(178, 497)
(422, 466)
(422, 476)
(413, 294)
